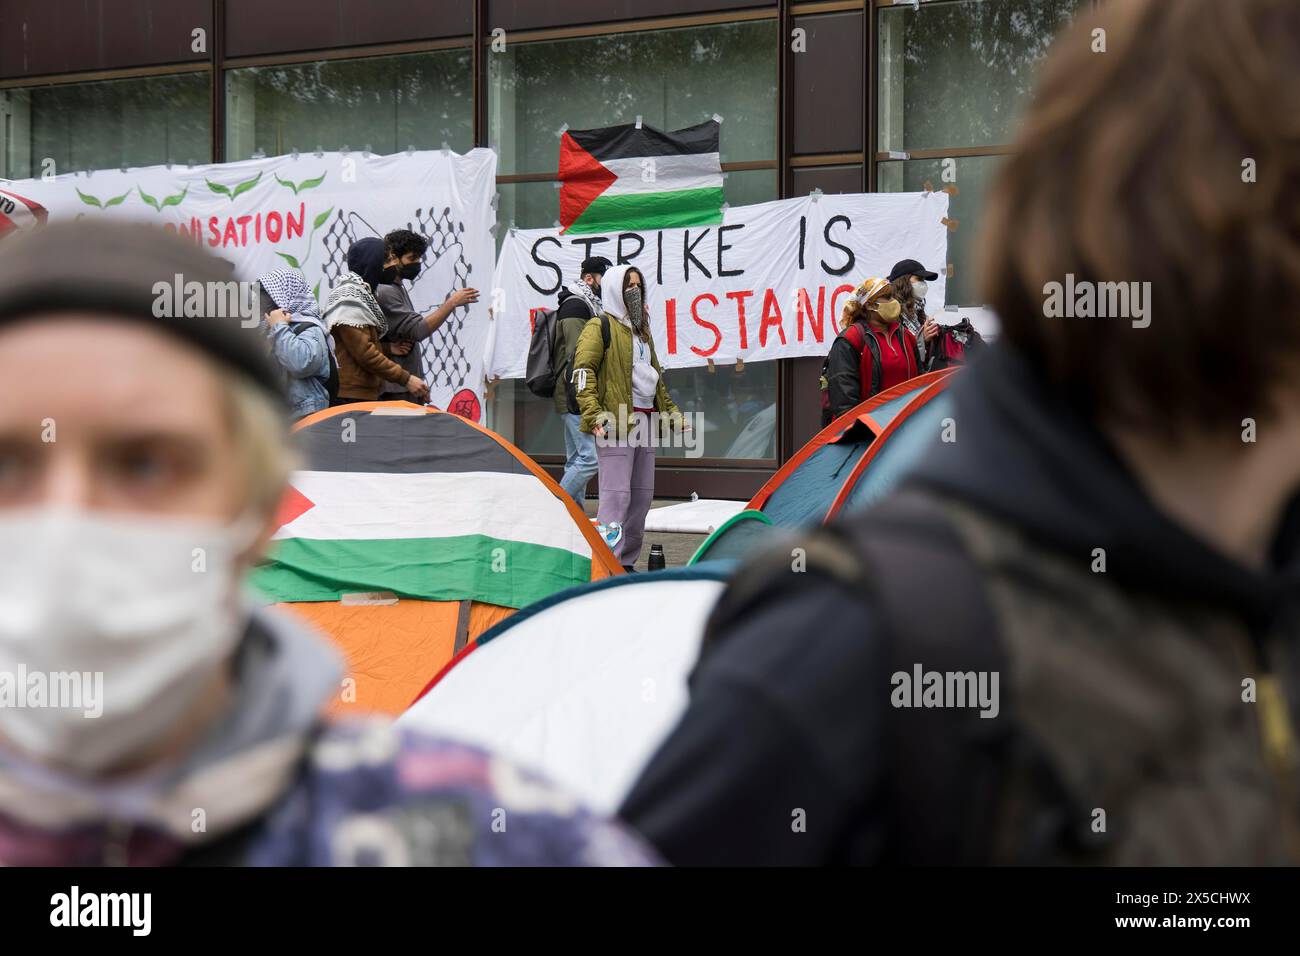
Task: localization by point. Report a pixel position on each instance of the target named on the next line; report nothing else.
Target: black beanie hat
(128, 270)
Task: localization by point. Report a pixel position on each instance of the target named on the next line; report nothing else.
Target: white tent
(582, 686)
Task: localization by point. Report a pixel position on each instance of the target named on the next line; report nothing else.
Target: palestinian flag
(18, 212)
(408, 534)
(427, 506)
(621, 177)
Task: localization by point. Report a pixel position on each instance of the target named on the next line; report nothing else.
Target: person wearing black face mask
(407, 328)
(358, 325)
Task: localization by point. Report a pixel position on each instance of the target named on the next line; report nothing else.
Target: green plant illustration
(105, 204)
(233, 194)
(305, 184)
(319, 221)
(166, 201)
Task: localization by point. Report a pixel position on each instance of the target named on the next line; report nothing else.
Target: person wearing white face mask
(137, 684)
(910, 282)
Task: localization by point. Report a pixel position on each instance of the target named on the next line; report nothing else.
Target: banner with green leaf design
(304, 212)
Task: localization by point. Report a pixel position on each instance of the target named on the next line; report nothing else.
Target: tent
(410, 532)
(734, 539)
(582, 686)
(857, 457)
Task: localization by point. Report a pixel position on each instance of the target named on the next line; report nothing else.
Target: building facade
(838, 95)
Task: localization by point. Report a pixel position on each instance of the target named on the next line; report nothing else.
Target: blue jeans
(579, 459)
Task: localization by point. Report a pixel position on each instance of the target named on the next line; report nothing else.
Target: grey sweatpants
(627, 485)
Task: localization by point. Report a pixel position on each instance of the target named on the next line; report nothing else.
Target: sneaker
(612, 532)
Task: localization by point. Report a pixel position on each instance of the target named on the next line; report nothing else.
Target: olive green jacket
(603, 378)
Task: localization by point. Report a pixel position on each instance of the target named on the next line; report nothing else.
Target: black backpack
(943, 618)
(539, 373)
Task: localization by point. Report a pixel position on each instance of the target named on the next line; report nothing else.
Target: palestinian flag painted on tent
(17, 212)
(622, 177)
(410, 532)
(426, 506)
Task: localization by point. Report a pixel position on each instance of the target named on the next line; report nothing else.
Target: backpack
(954, 345)
(948, 760)
(539, 374)
(861, 342)
(332, 379)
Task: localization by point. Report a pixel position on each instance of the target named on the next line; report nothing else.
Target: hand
(930, 329)
(599, 431)
(684, 424)
(277, 315)
(462, 297)
(400, 347)
(417, 388)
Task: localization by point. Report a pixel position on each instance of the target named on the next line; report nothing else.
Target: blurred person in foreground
(148, 714)
(1100, 662)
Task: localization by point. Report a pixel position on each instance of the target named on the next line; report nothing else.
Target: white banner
(304, 213)
(769, 283)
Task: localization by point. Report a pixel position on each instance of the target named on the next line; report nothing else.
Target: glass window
(957, 74)
(974, 175)
(105, 125)
(738, 405)
(671, 78)
(382, 103)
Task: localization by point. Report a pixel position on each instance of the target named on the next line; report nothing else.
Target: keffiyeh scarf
(351, 289)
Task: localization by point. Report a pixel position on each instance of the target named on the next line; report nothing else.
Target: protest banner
(769, 282)
(304, 211)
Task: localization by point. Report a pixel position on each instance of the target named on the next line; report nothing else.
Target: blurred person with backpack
(1072, 634)
(182, 723)
(301, 345)
(358, 324)
(624, 402)
(407, 328)
(874, 350)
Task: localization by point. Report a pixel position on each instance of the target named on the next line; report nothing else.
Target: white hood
(611, 292)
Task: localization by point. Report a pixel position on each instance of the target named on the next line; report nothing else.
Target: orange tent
(410, 532)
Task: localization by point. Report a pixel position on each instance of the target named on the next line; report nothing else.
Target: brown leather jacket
(362, 364)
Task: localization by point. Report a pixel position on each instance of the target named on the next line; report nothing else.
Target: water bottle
(656, 561)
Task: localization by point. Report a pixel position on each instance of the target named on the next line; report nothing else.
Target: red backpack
(869, 363)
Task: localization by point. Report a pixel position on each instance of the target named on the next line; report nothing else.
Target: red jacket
(863, 362)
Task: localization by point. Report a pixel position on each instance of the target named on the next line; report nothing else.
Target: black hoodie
(781, 755)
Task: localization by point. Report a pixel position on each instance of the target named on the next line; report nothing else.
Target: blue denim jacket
(303, 357)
